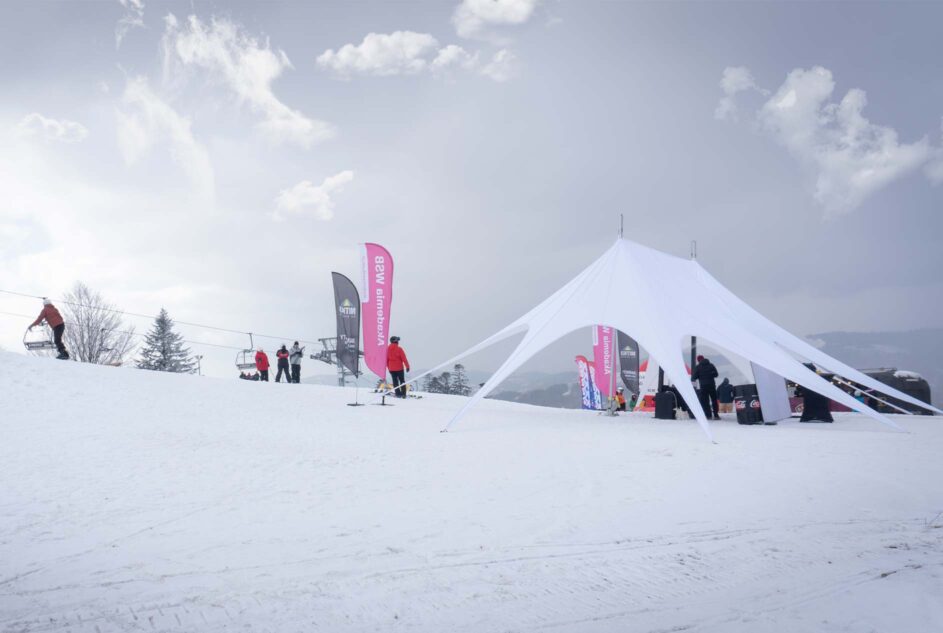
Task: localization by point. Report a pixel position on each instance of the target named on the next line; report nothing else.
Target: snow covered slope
(134, 501)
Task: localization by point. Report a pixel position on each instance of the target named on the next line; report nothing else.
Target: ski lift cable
(191, 342)
(150, 316)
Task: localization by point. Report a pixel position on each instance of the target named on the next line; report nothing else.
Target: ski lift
(39, 340)
(245, 360)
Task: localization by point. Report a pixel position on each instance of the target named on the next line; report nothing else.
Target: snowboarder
(705, 373)
(282, 356)
(53, 319)
(261, 364)
(297, 353)
(398, 365)
(725, 396)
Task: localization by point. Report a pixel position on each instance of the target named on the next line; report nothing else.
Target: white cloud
(248, 68)
(397, 53)
(147, 120)
(411, 53)
(65, 131)
(305, 197)
(502, 67)
(453, 56)
(852, 158)
(736, 79)
(472, 17)
(133, 18)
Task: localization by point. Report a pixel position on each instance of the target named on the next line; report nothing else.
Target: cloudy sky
(221, 159)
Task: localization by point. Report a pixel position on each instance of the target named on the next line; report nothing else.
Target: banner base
(355, 404)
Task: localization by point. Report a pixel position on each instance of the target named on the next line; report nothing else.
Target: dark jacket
(725, 392)
(282, 356)
(704, 374)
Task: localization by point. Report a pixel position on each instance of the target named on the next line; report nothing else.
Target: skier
(297, 353)
(261, 363)
(704, 374)
(51, 316)
(398, 365)
(282, 356)
(725, 395)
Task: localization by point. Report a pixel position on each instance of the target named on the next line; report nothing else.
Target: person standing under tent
(282, 362)
(53, 319)
(297, 353)
(705, 373)
(725, 396)
(398, 365)
(261, 364)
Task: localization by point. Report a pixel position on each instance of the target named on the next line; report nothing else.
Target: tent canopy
(660, 300)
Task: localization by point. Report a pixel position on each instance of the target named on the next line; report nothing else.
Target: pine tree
(163, 348)
(459, 385)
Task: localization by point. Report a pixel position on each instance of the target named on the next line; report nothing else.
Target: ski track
(165, 503)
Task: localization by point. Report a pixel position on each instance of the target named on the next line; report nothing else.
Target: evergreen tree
(163, 348)
(459, 385)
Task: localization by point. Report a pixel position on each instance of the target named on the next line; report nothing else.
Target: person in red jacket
(398, 365)
(282, 362)
(261, 363)
(54, 320)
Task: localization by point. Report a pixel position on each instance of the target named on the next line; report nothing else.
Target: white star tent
(661, 300)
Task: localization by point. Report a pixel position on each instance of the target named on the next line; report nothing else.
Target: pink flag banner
(603, 344)
(378, 295)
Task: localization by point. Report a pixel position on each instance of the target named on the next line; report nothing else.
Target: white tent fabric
(659, 300)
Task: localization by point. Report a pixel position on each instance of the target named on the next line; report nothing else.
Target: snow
(138, 501)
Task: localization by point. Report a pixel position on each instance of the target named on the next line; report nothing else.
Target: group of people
(712, 398)
(288, 363)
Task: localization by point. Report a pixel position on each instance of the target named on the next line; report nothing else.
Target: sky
(221, 159)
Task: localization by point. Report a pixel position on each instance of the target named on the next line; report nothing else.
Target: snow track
(144, 502)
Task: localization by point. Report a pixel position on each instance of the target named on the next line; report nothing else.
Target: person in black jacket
(725, 395)
(704, 374)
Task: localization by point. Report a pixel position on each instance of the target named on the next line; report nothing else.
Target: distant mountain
(563, 396)
(916, 350)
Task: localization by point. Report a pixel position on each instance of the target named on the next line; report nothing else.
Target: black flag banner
(347, 305)
(628, 361)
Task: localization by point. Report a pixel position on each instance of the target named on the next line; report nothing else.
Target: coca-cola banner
(628, 361)
(378, 289)
(347, 312)
(603, 345)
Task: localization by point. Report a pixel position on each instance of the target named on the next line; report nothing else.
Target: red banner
(378, 295)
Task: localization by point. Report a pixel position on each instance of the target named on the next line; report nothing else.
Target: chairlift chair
(39, 340)
(245, 360)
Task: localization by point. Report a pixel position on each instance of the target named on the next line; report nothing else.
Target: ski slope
(135, 501)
